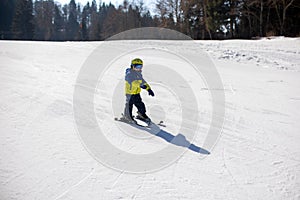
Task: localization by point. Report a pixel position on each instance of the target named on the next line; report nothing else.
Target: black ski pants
(135, 100)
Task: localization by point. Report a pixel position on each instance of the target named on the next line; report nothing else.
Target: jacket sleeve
(144, 83)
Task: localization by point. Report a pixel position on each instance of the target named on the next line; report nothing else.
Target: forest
(48, 20)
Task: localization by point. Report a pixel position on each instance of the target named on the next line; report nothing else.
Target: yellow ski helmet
(136, 61)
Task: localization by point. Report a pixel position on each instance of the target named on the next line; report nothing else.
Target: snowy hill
(45, 155)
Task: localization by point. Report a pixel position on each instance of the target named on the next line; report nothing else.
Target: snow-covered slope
(42, 156)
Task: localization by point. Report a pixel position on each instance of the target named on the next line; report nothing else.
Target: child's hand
(150, 92)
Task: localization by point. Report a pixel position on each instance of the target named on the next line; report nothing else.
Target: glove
(143, 86)
(150, 92)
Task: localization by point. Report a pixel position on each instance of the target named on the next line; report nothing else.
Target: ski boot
(144, 118)
(128, 119)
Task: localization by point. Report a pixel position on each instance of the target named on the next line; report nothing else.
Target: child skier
(133, 83)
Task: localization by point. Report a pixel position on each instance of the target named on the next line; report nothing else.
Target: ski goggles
(138, 66)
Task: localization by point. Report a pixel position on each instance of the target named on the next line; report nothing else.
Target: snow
(257, 156)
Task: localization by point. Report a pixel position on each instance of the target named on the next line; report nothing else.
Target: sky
(83, 2)
(148, 3)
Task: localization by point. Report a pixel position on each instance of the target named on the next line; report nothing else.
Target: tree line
(200, 19)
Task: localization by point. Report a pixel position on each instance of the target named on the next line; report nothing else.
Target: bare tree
(284, 4)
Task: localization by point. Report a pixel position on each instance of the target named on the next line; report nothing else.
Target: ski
(121, 119)
(135, 122)
(161, 123)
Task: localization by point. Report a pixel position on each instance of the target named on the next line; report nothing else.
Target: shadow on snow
(178, 140)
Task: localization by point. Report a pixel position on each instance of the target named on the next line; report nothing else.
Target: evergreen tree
(7, 8)
(84, 22)
(200, 19)
(72, 24)
(110, 22)
(103, 10)
(44, 13)
(147, 20)
(22, 26)
(215, 18)
(94, 30)
(58, 24)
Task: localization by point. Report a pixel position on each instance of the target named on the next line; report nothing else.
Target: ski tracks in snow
(75, 185)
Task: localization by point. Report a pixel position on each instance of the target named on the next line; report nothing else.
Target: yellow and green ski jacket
(133, 82)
